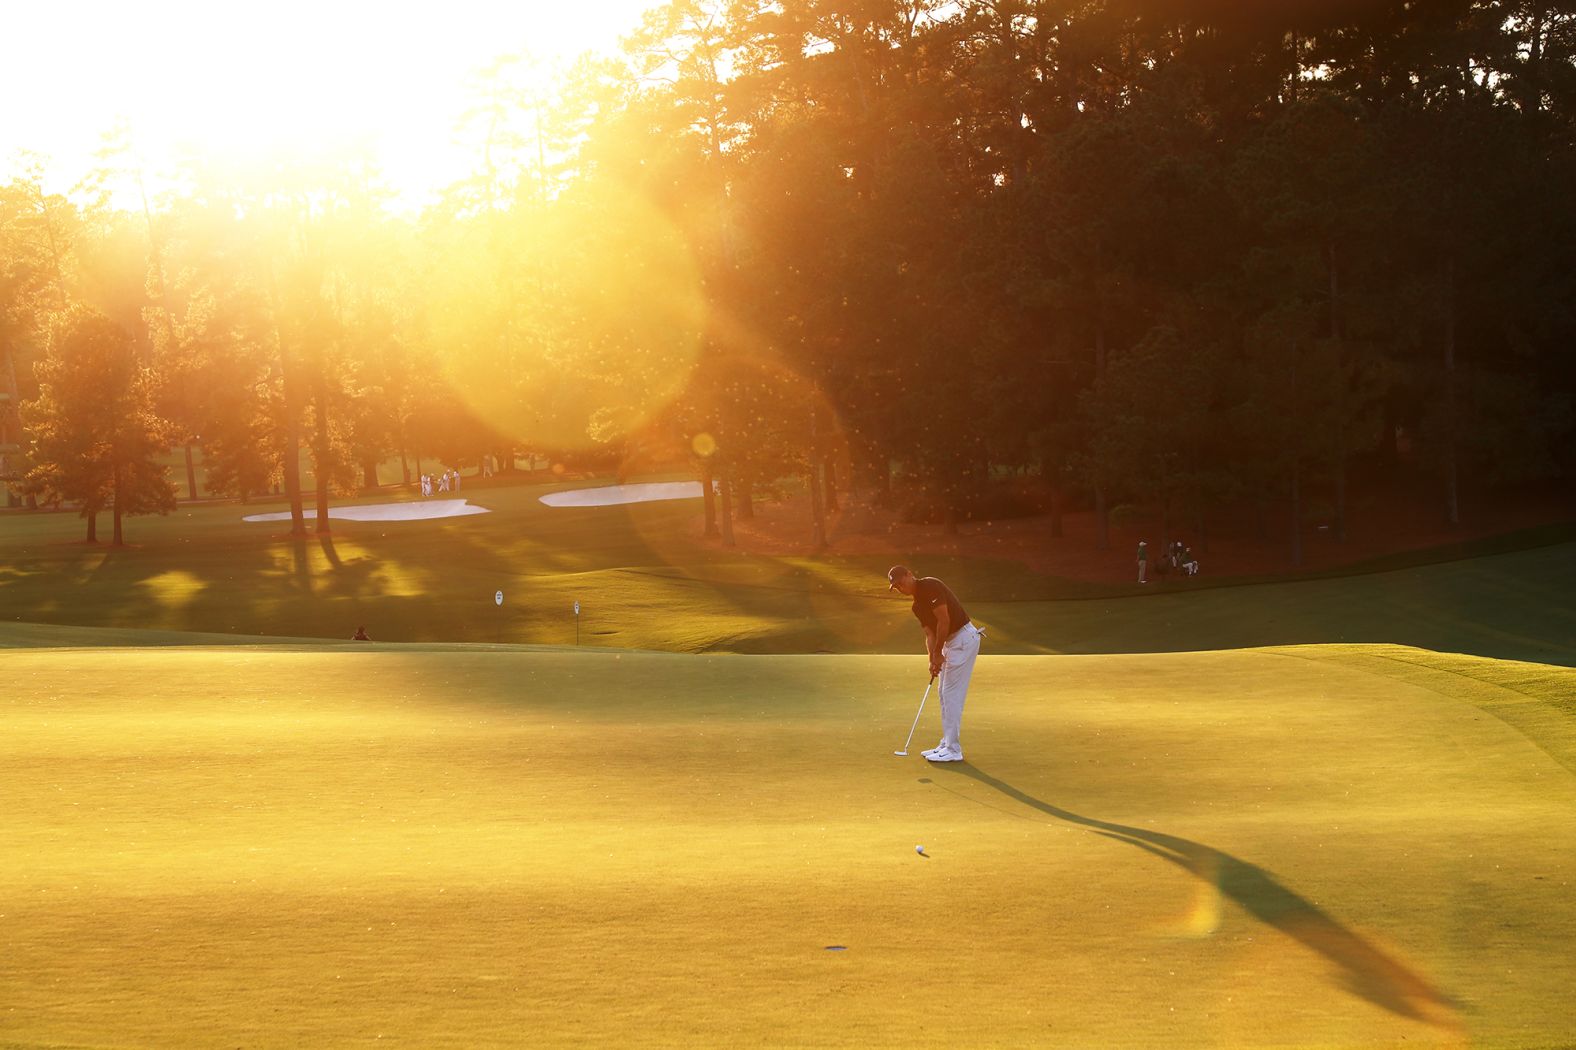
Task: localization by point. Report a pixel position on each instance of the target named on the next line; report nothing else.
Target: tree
(28, 297)
(95, 434)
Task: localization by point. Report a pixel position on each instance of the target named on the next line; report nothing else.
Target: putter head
(901, 754)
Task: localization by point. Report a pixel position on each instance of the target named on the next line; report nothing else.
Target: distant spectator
(1189, 563)
(360, 635)
(456, 480)
(1143, 562)
(443, 480)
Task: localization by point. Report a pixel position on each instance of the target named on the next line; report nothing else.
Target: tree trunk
(1101, 512)
(292, 467)
(369, 473)
(725, 499)
(92, 517)
(1296, 512)
(320, 449)
(1102, 517)
(322, 501)
(1340, 500)
(817, 508)
(1452, 481)
(191, 473)
(708, 498)
(1165, 525)
(1532, 82)
(744, 496)
(831, 485)
(404, 467)
(1335, 290)
(119, 539)
(1099, 317)
(1198, 520)
(1339, 449)
(1294, 81)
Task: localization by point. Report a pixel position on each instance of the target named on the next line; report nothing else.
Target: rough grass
(450, 846)
(645, 581)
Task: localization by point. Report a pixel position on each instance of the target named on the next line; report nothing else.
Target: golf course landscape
(1321, 812)
(789, 524)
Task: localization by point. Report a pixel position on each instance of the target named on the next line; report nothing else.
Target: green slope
(450, 846)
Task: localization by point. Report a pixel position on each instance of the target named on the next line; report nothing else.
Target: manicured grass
(436, 845)
(644, 580)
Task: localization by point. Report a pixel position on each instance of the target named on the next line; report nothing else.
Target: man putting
(953, 642)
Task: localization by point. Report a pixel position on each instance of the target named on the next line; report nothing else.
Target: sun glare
(243, 83)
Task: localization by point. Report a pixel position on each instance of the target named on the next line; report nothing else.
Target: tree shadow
(1365, 969)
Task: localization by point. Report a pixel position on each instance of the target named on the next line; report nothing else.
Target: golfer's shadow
(1365, 969)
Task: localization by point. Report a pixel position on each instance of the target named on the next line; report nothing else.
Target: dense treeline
(1185, 255)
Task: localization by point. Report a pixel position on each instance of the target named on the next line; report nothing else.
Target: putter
(904, 753)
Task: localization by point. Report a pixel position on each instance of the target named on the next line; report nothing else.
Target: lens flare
(572, 329)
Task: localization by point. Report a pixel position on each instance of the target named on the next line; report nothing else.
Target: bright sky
(240, 78)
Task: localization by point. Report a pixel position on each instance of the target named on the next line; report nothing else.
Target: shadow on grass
(1365, 969)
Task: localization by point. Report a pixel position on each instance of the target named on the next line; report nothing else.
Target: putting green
(445, 846)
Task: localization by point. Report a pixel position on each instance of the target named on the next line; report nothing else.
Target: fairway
(449, 846)
(645, 579)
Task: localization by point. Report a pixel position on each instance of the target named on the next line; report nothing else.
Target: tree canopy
(1162, 252)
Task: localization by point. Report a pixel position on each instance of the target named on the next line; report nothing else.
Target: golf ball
(919, 849)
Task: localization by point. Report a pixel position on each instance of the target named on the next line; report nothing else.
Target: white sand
(423, 510)
(613, 495)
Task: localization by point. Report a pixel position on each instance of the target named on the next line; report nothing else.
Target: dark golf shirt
(930, 592)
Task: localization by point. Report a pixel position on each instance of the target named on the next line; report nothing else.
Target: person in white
(953, 642)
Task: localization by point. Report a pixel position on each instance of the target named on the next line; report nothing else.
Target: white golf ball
(919, 849)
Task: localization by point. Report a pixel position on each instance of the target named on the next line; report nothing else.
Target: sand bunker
(613, 495)
(413, 511)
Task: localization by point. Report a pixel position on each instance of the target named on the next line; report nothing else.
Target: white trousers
(957, 667)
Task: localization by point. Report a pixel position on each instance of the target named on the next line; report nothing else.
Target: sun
(245, 82)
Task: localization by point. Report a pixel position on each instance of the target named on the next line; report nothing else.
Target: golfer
(953, 642)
